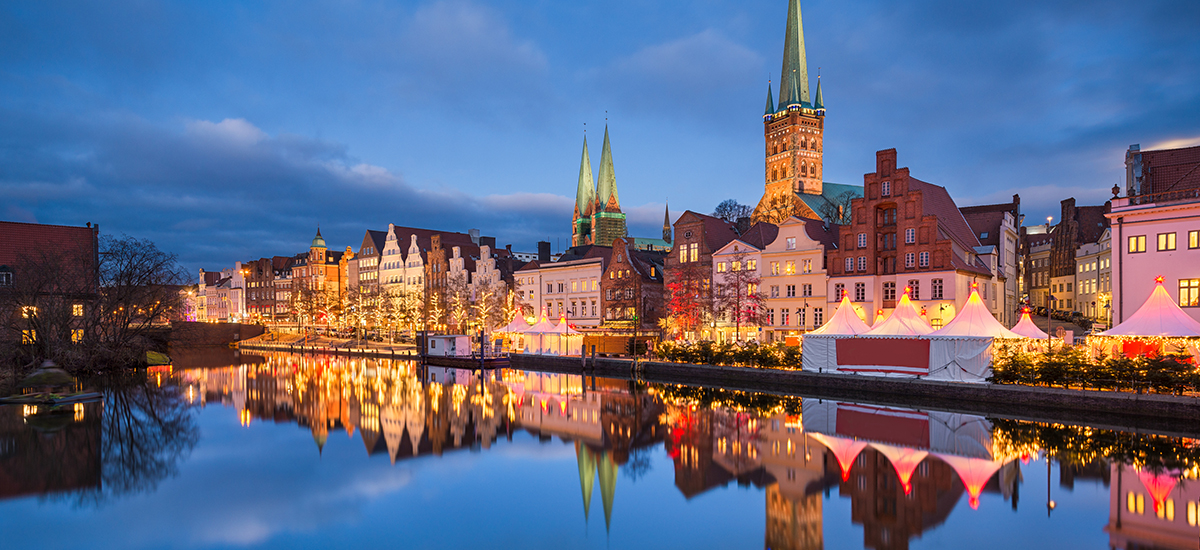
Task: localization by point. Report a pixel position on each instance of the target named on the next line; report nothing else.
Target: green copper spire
(318, 241)
(794, 91)
(607, 470)
(585, 195)
(819, 102)
(770, 101)
(606, 185)
(587, 475)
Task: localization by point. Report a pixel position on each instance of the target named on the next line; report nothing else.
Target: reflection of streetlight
(1050, 504)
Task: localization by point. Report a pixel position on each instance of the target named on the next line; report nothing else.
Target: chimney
(474, 233)
(489, 242)
(543, 251)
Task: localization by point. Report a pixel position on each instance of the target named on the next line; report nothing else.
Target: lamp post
(1049, 310)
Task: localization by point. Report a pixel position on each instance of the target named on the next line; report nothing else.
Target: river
(288, 451)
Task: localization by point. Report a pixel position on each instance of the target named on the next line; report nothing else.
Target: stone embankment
(1164, 414)
(331, 348)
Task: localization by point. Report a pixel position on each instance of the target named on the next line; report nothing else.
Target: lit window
(1166, 241)
(1137, 244)
(1193, 242)
(77, 310)
(694, 252)
(1189, 292)
(28, 311)
(721, 267)
(791, 267)
(774, 268)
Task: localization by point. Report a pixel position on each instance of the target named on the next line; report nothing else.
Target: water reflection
(897, 473)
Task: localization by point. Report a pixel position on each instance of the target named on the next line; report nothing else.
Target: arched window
(803, 144)
(803, 170)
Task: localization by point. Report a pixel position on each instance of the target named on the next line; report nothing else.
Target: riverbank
(330, 347)
(1164, 414)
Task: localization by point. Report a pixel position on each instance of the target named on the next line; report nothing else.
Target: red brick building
(905, 233)
(631, 288)
(53, 269)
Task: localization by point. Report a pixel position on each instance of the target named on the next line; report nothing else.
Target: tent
(536, 341)
(974, 473)
(1025, 327)
(563, 344)
(819, 344)
(962, 350)
(1159, 317)
(518, 324)
(905, 320)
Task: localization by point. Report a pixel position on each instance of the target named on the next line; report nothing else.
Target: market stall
(819, 352)
(1159, 327)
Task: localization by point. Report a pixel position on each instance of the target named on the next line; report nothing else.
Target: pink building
(1156, 230)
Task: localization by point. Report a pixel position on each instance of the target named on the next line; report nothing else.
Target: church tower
(793, 128)
(585, 199)
(608, 222)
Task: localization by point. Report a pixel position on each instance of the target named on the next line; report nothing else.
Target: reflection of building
(49, 453)
(1149, 509)
(890, 516)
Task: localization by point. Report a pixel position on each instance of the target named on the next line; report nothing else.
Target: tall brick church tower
(598, 218)
(794, 131)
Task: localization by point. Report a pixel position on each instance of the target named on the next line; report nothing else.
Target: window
(693, 252)
(800, 317)
(839, 290)
(572, 308)
(1166, 241)
(5, 278)
(1189, 293)
(887, 189)
(628, 293)
(785, 316)
(806, 291)
(924, 259)
(608, 294)
(1069, 285)
(549, 288)
(1193, 242)
(774, 291)
(751, 265)
(808, 266)
(889, 291)
(860, 292)
(683, 253)
(936, 285)
(774, 268)
(791, 243)
(77, 310)
(574, 286)
(849, 264)
(76, 335)
(862, 240)
(791, 291)
(910, 260)
(818, 317)
(862, 263)
(735, 266)
(28, 311)
(983, 235)
(914, 289)
(1137, 244)
(721, 267)
(910, 236)
(560, 288)
(751, 290)
(791, 267)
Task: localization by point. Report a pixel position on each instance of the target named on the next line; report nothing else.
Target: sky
(228, 131)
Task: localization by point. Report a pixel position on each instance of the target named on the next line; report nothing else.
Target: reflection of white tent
(843, 448)
(1159, 316)
(974, 473)
(1025, 327)
(905, 320)
(904, 460)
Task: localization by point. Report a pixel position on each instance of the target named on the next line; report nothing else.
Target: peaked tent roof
(844, 449)
(1159, 316)
(541, 327)
(975, 320)
(974, 473)
(843, 322)
(1025, 327)
(518, 324)
(585, 193)
(904, 321)
(563, 327)
(904, 459)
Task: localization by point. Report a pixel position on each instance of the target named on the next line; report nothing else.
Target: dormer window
(887, 189)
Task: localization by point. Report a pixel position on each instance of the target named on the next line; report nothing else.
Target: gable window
(693, 252)
(862, 240)
(910, 236)
(887, 189)
(808, 266)
(791, 243)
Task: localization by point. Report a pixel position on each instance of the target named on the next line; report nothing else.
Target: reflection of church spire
(608, 485)
(587, 475)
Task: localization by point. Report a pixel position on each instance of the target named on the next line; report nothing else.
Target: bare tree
(730, 210)
(837, 209)
(737, 297)
(778, 208)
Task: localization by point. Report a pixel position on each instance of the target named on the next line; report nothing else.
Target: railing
(1180, 195)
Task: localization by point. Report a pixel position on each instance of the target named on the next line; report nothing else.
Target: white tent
(535, 336)
(518, 324)
(974, 320)
(905, 320)
(1159, 316)
(568, 342)
(1025, 327)
(843, 322)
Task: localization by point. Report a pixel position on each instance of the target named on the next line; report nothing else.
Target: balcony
(1148, 199)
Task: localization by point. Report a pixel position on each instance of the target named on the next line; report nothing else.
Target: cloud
(236, 132)
(1176, 143)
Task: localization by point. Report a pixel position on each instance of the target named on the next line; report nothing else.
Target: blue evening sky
(227, 131)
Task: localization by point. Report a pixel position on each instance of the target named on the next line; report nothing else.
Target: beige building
(569, 287)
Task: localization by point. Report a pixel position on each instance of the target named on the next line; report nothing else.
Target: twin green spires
(585, 194)
(606, 184)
